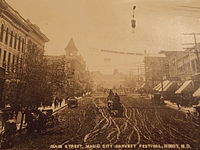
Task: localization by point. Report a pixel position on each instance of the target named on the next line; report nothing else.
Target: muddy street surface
(90, 123)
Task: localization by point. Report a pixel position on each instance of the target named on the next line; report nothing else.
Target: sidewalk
(174, 106)
(53, 107)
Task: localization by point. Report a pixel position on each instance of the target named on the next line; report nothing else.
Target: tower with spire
(71, 49)
(75, 68)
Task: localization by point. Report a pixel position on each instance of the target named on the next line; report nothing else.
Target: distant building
(183, 65)
(155, 70)
(108, 80)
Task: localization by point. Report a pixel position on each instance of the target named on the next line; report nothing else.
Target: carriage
(51, 120)
(194, 115)
(157, 99)
(115, 108)
(72, 102)
(10, 129)
(40, 120)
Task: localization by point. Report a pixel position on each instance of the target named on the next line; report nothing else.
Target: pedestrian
(56, 102)
(29, 120)
(178, 102)
(188, 115)
(178, 105)
(60, 101)
(66, 99)
(42, 120)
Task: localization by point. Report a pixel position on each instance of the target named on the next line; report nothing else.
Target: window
(6, 40)
(193, 66)
(2, 31)
(17, 63)
(19, 44)
(21, 62)
(9, 59)
(0, 56)
(13, 63)
(4, 59)
(23, 45)
(11, 38)
(15, 44)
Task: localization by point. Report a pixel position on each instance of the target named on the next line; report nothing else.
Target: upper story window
(6, 39)
(9, 62)
(2, 32)
(4, 59)
(15, 44)
(19, 44)
(13, 64)
(11, 38)
(23, 43)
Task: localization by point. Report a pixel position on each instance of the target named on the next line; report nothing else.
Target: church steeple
(71, 48)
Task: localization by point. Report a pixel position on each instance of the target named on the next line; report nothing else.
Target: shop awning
(170, 87)
(157, 87)
(165, 83)
(186, 86)
(196, 93)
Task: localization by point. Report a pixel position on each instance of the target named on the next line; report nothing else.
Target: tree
(33, 75)
(57, 76)
(30, 87)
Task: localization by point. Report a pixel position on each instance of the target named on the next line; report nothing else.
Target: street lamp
(133, 21)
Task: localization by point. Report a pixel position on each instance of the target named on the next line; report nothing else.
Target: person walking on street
(60, 101)
(178, 104)
(56, 101)
(66, 99)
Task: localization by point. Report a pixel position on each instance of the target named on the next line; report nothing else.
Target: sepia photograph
(99, 74)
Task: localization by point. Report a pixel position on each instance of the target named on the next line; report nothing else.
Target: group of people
(35, 120)
(58, 102)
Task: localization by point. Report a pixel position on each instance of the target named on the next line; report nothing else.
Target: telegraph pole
(138, 74)
(195, 47)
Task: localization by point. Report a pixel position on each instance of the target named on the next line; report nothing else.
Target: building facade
(156, 70)
(17, 37)
(183, 65)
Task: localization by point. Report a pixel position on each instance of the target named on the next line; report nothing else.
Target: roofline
(7, 8)
(26, 23)
(33, 28)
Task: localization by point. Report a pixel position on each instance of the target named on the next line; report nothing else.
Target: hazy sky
(105, 24)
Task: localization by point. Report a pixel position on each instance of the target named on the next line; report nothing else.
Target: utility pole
(138, 74)
(195, 47)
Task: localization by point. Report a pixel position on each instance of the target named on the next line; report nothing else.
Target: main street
(142, 123)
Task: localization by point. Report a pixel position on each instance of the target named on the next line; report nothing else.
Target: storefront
(186, 87)
(171, 87)
(161, 86)
(2, 80)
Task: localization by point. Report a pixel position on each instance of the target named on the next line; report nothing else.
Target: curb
(55, 111)
(173, 106)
